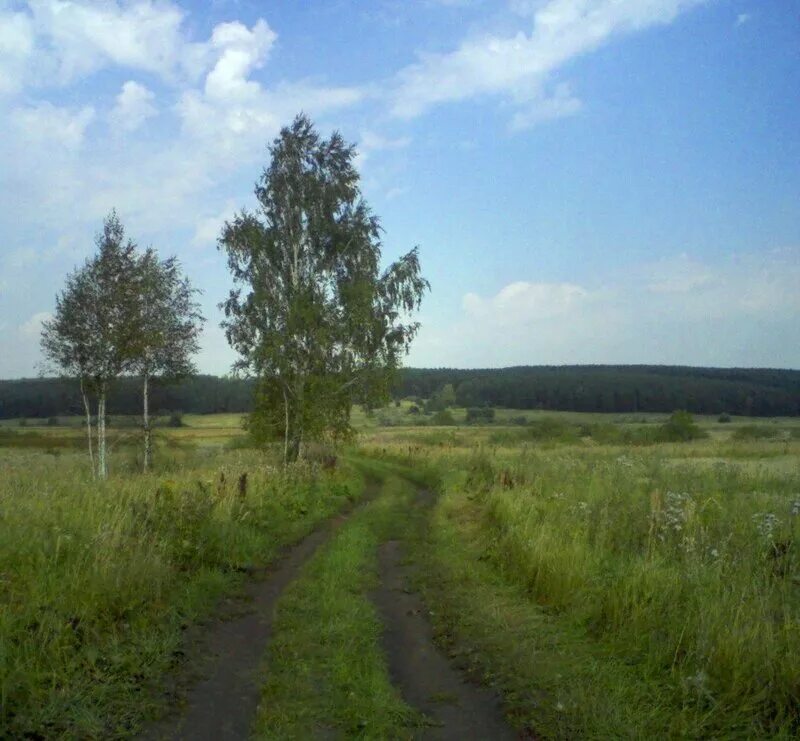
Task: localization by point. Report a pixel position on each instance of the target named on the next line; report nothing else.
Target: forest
(599, 388)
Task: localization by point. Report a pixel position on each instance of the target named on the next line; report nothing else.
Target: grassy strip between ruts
(98, 580)
(326, 670)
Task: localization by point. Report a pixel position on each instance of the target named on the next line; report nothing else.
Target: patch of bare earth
(456, 707)
(228, 655)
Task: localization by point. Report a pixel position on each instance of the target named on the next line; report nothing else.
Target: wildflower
(766, 523)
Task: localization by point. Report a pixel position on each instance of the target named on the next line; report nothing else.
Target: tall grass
(689, 573)
(98, 579)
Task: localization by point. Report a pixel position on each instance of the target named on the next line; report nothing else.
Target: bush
(443, 418)
(52, 421)
(413, 409)
(724, 418)
(480, 415)
(680, 427)
(175, 420)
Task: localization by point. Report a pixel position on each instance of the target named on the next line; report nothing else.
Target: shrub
(413, 409)
(724, 418)
(175, 420)
(480, 415)
(443, 418)
(52, 421)
(680, 427)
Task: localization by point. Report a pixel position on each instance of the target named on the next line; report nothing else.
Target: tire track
(222, 705)
(457, 708)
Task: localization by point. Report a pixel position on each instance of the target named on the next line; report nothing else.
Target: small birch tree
(311, 314)
(91, 334)
(169, 323)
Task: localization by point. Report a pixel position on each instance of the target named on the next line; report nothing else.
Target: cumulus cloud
(134, 105)
(520, 66)
(741, 310)
(16, 47)
(32, 327)
(522, 302)
(51, 125)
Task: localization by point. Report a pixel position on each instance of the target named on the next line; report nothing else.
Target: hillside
(599, 388)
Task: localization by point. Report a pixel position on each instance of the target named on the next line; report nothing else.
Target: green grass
(613, 593)
(326, 671)
(98, 580)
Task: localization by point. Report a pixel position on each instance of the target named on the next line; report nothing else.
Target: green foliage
(724, 418)
(175, 420)
(311, 315)
(482, 416)
(615, 388)
(680, 427)
(443, 418)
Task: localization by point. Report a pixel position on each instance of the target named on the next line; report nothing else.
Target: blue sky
(589, 181)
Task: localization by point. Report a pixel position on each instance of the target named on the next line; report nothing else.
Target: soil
(226, 657)
(457, 708)
(222, 705)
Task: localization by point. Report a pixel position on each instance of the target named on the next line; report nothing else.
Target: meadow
(607, 582)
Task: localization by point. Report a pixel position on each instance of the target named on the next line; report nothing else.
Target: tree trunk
(88, 427)
(146, 424)
(285, 427)
(102, 468)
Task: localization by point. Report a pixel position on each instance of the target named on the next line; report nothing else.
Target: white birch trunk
(102, 468)
(146, 423)
(285, 427)
(88, 428)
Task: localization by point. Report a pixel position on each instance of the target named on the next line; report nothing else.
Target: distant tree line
(53, 397)
(576, 388)
(608, 388)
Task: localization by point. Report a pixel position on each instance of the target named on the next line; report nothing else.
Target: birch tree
(167, 331)
(311, 314)
(67, 342)
(93, 328)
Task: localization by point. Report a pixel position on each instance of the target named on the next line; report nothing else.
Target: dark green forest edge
(599, 388)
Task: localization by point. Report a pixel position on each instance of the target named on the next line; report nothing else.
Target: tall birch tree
(311, 314)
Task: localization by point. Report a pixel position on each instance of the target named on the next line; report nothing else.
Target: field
(605, 581)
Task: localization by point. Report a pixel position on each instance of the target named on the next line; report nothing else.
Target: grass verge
(98, 580)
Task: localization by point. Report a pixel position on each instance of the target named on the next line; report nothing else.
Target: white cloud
(50, 125)
(520, 66)
(209, 228)
(558, 105)
(241, 50)
(134, 105)
(16, 47)
(32, 328)
(743, 18)
(524, 302)
(740, 310)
